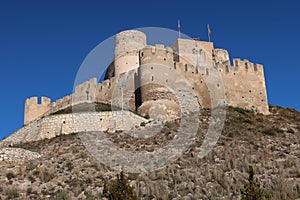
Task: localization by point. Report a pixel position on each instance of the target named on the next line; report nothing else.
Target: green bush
(119, 189)
(252, 190)
(36, 172)
(248, 113)
(83, 155)
(169, 124)
(10, 175)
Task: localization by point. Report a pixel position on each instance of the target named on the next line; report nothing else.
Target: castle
(138, 65)
(149, 81)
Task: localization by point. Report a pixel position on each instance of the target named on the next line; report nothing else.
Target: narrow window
(246, 66)
(255, 67)
(227, 69)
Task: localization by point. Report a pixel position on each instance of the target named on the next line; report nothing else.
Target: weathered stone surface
(55, 125)
(14, 154)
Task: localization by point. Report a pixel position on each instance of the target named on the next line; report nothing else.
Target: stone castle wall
(54, 125)
(245, 85)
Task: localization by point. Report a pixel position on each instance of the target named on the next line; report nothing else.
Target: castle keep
(151, 74)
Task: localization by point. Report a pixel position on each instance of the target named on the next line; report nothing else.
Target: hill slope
(62, 168)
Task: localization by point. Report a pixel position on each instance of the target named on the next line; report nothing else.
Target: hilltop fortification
(143, 69)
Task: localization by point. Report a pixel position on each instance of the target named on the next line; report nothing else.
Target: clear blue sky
(43, 43)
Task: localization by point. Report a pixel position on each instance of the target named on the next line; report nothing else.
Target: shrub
(31, 179)
(30, 166)
(169, 124)
(46, 176)
(61, 195)
(267, 193)
(147, 116)
(74, 149)
(143, 124)
(252, 190)
(69, 166)
(36, 172)
(73, 182)
(272, 130)
(29, 191)
(10, 175)
(119, 189)
(12, 193)
(248, 113)
(83, 155)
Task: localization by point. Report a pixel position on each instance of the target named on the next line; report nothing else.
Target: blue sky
(43, 43)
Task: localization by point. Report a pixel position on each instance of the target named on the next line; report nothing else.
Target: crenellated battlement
(247, 66)
(241, 66)
(156, 54)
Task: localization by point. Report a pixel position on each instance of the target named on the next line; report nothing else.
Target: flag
(208, 30)
(178, 25)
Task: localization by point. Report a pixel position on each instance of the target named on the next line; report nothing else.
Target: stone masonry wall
(54, 125)
(245, 85)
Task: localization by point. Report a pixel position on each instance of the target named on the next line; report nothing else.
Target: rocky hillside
(62, 168)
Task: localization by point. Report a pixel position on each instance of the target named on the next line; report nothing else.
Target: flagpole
(208, 32)
(178, 28)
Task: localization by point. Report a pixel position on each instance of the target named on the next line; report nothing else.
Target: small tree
(252, 190)
(119, 189)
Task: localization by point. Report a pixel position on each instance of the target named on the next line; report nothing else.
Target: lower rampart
(54, 125)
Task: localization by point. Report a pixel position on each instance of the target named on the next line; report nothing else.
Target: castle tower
(193, 51)
(33, 109)
(157, 80)
(221, 56)
(127, 46)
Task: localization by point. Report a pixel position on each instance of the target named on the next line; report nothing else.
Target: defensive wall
(55, 125)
